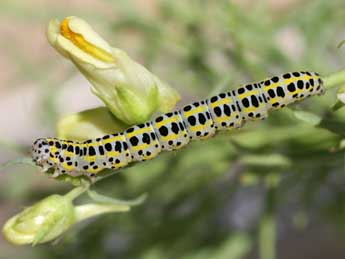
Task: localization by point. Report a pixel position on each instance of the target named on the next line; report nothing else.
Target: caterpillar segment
(143, 142)
(225, 111)
(251, 102)
(291, 87)
(198, 121)
(171, 131)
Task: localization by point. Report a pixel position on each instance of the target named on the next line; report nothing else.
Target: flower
(129, 90)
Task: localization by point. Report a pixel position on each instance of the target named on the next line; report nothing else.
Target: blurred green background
(273, 189)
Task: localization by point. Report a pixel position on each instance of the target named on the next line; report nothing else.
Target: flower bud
(88, 124)
(129, 90)
(40, 223)
(55, 214)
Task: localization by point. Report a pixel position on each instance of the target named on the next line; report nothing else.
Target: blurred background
(274, 187)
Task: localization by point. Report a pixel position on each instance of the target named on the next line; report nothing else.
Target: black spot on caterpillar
(171, 131)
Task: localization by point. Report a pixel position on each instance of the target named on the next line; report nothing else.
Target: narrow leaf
(308, 117)
(266, 160)
(100, 198)
(17, 161)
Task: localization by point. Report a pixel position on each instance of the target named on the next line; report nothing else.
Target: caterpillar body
(173, 130)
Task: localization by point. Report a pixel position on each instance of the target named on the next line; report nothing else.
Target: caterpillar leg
(92, 177)
(55, 174)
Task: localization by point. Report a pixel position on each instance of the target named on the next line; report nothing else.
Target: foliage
(292, 160)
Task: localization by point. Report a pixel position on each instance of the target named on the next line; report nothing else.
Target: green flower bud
(129, 90)
(88, 124)
(55, 214)
(40, 223)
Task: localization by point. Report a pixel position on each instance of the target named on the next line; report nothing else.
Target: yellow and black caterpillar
(173, 130)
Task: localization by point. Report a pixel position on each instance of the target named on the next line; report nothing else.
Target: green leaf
(342, 144)
(337, 106)
(333, 123)
(100, 198)
(18, 161)
(266, 160)
(308, 117)
(88, 124)
(237, 246)
(341, 44)
(341, 99)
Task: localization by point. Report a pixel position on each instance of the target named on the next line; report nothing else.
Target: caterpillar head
(40, 153)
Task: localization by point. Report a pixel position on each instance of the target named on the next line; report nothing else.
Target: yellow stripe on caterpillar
(167, 121)
(249, 93)
(227, 100)
(139, 131)
(196, 110)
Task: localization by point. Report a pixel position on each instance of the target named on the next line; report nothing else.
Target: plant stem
(267, 237)
(91, 210)
(334, 79)
(76, 192)
(268, 224)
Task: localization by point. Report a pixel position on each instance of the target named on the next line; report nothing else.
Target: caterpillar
(171, 131)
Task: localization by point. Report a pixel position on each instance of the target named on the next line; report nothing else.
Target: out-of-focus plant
(207, 47)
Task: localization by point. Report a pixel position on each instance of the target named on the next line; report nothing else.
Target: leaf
(342, 144)
(341, 94)
(333, 124)
(340, 44)
(337, 106)
(308, 117)
(266, 160)
(18, 161)
(87, 124)
(236, 246)
(97, 197)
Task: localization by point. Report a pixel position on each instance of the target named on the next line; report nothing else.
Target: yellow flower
(129, 90)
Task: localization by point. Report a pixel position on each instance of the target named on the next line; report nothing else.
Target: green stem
(267, 237)
(268, 225)
(76, 192)
(90, 210)
(334, 79)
